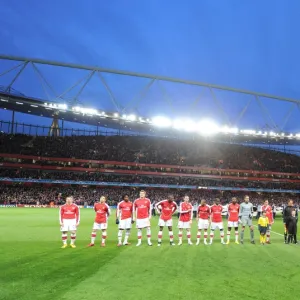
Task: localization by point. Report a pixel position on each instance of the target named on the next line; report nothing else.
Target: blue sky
(244, 44)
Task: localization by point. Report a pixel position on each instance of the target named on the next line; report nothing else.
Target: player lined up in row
(139, 212)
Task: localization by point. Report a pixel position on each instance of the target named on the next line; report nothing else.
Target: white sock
(171, 236)
(159, 236)
(73, 238)
(139, 234)
(149, 234)
(127, 233)
(120, 234)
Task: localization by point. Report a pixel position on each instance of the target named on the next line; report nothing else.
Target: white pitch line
(271, 231)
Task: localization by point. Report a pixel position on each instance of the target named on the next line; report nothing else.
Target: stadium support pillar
(12, 122)
(54, 129)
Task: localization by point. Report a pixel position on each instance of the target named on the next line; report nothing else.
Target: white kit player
(102, 213)
(69, 218)
(203, 221)
(216, 220)
(166, 209)
(185, 219)
(142, 211)
(124, 219)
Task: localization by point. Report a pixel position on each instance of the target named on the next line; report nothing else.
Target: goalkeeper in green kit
(245, 216)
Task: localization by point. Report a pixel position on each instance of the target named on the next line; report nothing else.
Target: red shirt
(216, 213)
(142, 208)
(67, 211)
(269, 212)
(233, 212)
(167, 209)
(125, 209)
(102, 212)
(185, 215)
(203, 212)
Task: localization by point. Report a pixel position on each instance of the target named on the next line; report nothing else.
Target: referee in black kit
(286, 214)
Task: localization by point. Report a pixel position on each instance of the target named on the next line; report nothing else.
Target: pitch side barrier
(145, 185)
(44, 206)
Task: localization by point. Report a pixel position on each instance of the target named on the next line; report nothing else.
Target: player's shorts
(164, 223)
(231, 224)
(203, 224)
(142, 223)
(246, 221)
(68, 225)
(184, 225)
(216, 225)
(99, 226)
(125, 224)
(263, 230)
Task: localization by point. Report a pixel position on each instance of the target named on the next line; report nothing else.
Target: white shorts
(125, 224)
(215, 225)
(203, 224)
(164, 223)
(68, 225)
(100, 226)
(142, 223)
(231, 224)
(184, 225)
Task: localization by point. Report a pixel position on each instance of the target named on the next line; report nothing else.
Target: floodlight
(207, 127)
(161, 122)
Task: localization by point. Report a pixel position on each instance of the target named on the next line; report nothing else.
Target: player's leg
(93, 236)
(160, 233)
(268, 235)
(127, 235)
(236, 233)
(252, 233)
(139, 236)
(199, 233)
(120, 236)
(149, 235)
(212, 234)
(188, 234)
(285, 234)
(228, 233)
(171, 236)
(180, 230)
(222, 235)
(104, 236)
(243, 232)
(205, 236)
(64, 237)
(73, 238)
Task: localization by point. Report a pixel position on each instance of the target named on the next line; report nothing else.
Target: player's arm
(134, 212)
(198, 210)
(149, 209)
(191, 215)
(156, 207)
(61, 216)
(259, 223)
(95, 207)
(241, 211)
(183, 211)
(108, 211)
(118, 211)
(175, 208)
(77, 215)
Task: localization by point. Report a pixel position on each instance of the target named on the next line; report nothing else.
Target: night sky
(249, 45)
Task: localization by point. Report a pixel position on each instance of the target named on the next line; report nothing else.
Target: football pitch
(33, 266)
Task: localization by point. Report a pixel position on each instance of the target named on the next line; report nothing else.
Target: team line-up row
(139, 212)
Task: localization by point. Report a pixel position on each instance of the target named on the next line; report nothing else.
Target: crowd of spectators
(99, 177)
(152, 150)
(19, 194)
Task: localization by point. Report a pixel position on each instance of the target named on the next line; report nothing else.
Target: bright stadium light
(161, 122)
(248, 131)
(178, 124)
(190, 126)
(207, 127)
(116, 115)
(63, 106)
(227, 130)
(131, 118)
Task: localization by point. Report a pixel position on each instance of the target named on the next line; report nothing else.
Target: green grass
(32, 265)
